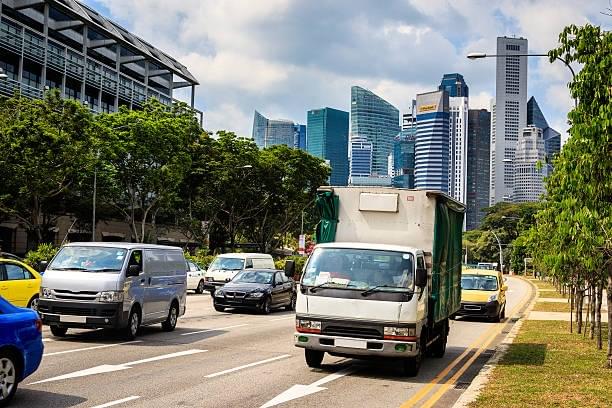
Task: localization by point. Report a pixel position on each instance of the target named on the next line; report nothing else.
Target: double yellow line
(484, 340)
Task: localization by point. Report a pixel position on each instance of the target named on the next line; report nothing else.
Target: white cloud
(481, 100)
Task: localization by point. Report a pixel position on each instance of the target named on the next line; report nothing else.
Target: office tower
(552, 138)
(478, 166)
(528, 174)
(327, 139)
(66, 45)
(270, 132)
(299, 136)
(377, 121)
(458, 93)
(432, 141)
(404, 151)
(510, 114)
(360, 160)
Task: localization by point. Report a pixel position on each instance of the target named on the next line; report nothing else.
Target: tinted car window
(254, 277)
(15, 272)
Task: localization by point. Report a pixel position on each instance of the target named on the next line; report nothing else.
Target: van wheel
(172, 318)
(314, 358)
(59, 331)
(200, 289)
(133, 326)
(9, 375)
(503, 313)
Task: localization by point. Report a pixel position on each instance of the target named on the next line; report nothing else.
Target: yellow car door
(502, 289)
(21, 283)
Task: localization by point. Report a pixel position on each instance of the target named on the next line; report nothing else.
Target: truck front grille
(357, 332)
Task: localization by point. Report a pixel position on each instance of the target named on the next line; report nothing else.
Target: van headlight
(111, 296)
(493, 298)
(46, 293)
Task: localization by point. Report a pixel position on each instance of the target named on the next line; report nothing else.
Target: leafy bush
(300, 261)
(200, 257)
(44, 252)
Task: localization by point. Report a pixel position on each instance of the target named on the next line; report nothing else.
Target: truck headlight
(493, 298)
(45, 293)
(308, 326)
(111, 296)
(399, 333)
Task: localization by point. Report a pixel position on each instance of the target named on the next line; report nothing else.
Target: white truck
(384, 277)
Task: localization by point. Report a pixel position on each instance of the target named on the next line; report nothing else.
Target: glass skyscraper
(270, 132)
(327, 138)
(404, 159)
(552, 138)
(377, 121)
(478, 166)
(432, 141)
(299, 136)
(454, 85)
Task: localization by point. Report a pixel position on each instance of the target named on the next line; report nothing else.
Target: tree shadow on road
(27, 398)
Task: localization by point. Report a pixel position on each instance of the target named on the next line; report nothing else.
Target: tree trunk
(579, 303)
(609, 290)
(599, 296)
(592, 296)
(571, 309)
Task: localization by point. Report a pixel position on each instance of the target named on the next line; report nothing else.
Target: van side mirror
(133, 270)
(42, 266)
(289, 268)
(504, 288)
(420, 280)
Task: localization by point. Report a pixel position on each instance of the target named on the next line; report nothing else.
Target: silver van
(113, 285)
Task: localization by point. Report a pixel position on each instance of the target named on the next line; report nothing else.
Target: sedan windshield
(254, 277)
(360, 269)
(90, 259)
(232, 264)
(478, 282)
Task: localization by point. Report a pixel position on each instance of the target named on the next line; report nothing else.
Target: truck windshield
(90, 259)
(232, 264)
(360, 269)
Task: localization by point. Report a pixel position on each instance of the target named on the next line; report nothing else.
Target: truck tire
(412, 365)
(314, 358)
(438, 348)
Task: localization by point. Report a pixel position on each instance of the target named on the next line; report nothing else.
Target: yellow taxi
(19, 283)
(483, 294)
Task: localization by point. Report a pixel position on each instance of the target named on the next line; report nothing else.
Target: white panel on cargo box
(378, 202)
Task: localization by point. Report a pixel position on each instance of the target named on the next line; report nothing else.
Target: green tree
(146, 156)
(46, 149)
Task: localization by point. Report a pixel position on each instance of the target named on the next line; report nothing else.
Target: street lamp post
(95, 189)
(479, 55)
(501, 254)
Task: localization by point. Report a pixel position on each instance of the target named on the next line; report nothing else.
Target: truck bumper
(347, 346)
(86, 315)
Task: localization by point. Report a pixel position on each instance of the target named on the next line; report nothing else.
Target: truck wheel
(412, 365)
(59, 331)
(439, 347)
(9, 376)
(170, 322)
(314, 358)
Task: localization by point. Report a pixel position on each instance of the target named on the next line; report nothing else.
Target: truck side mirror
(42, 266)
(133, 270)
(420, 280)
(289, 268)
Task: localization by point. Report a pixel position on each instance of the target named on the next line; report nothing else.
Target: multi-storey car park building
(64, 44)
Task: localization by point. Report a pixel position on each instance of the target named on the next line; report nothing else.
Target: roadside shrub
(44, 252)
(300, 261)
(200, 257)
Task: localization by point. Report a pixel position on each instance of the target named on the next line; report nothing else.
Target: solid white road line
(216, 329)
(90, 348)
(108, 368)
(121, 401)
(231, 370)
(283, 318)
(299, 391)
(46, 340)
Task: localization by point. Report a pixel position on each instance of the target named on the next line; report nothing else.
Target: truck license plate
(73, 319)
(359, 344)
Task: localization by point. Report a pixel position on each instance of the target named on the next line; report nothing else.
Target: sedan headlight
(219, 293)
(111, 296)
(46, 293)
(493, 298)
(395, 332)
(308, 326)
(256, 294)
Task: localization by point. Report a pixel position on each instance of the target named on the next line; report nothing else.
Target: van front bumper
(479, 309)
(360, 347)
(86, 315)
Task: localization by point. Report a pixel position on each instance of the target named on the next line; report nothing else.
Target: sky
(285, 57)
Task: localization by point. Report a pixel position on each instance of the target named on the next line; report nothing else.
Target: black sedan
(259, 289)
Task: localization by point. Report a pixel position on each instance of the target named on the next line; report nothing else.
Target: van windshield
(360, 269)
(231, 264)
(89, 259)
(478, 282)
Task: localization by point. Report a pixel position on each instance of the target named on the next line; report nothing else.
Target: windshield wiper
(106, 270)
(376, 288)
(70, 269)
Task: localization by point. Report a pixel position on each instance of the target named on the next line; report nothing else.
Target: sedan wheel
(291, 305)
(34, 304)
(265, 306)
(8, 378)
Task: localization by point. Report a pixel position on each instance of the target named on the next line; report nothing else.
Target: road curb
(482, 378)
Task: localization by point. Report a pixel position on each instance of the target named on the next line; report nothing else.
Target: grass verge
(553, 307)
(554, 294)
(546, 366)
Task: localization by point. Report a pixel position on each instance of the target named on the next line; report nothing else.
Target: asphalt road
(247, 360)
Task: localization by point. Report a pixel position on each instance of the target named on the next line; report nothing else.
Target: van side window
(248, 263)
(136, 259)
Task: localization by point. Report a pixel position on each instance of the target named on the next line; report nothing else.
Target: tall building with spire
(552, 138)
